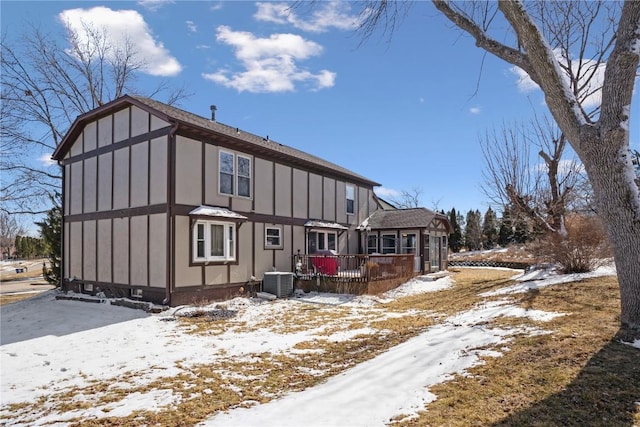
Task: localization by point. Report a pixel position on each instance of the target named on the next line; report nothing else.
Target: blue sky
(406, 112)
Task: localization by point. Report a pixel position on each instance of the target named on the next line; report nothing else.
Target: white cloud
(387, 193)
(524, 82)
(154, 5)
(192, 26)
(217, 6)
(591, 92)
(565, 167)
(475, 110)
(325, 15)
(270, 64)
(46, 160)
(122, 27)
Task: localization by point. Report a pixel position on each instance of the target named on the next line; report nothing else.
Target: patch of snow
(419, 285)
(393, 383)
(542, 278)
(373, 392)
(216, 212)
(324, 224)
(635, 344)
(630, 177)
(49, 345)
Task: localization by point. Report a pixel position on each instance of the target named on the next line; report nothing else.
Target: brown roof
(402, 219)
(232, 136)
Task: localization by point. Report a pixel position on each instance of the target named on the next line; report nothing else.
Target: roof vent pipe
(213, 113)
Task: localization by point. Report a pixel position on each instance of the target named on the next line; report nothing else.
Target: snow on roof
(364, 224)
(324, 224)
(216, 212)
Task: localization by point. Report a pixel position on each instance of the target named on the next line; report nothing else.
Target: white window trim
(236, 176)
(326, 233)
(353, 188)
(268, 245)
(229, 245)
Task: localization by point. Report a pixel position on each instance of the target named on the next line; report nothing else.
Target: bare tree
(10, 228)
(408, 198)
(543, 192)
(559, 45)
(45, 86)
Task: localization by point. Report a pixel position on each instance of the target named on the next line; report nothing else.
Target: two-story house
(170, 207)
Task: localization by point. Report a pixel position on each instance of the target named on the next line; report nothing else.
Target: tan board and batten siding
(129, 187)
(105, 173)
(279, 191)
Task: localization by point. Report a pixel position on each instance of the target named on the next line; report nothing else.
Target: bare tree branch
(45, 86)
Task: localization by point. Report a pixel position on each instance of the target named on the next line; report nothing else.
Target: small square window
(273, 237)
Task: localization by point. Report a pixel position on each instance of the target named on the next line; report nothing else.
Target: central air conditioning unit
(278, 283)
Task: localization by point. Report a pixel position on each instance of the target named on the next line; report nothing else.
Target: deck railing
(357, 268)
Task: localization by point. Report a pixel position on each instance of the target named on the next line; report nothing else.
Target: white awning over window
(325, 224)
(217, 212)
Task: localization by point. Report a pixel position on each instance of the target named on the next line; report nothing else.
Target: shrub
(582, 249)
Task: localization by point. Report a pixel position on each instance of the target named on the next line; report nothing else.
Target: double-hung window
(235, 174)
(214, 241)
(351, 199)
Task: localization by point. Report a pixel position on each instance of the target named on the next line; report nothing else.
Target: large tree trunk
(618, 205)
(603, 144)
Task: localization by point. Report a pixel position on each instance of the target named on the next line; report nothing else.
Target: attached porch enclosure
(355, 274)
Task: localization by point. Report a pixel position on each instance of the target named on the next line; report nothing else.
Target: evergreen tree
(521, 229)
(514, 227)
(51, 231)
(28, 247)
(489, 229)
(455, 239)
(505, 234)
(473, 231)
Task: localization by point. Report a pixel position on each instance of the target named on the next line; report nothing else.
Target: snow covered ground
(49, 346)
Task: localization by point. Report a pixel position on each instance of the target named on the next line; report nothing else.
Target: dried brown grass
(11, 298)
(576, 375)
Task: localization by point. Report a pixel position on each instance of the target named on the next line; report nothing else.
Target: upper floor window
(235, 174)
(214, 241)
(351, 199)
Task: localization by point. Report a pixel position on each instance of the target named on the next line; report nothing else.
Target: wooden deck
(356, 274)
